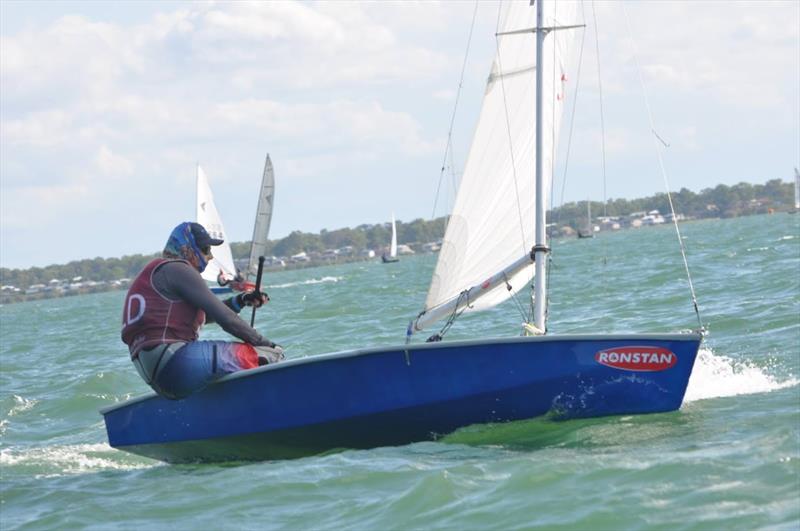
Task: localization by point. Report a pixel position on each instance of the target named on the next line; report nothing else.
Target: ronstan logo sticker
(645, 359)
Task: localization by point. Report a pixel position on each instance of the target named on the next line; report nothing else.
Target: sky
(107, 108)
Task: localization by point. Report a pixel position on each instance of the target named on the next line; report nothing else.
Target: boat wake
(716, 376)
(55, 461)
(305, 282)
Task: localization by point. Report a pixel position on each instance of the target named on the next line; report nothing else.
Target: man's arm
(180, 280)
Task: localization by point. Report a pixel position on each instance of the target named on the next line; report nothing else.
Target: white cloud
(45, 128)
(111, 165)
(97, 112)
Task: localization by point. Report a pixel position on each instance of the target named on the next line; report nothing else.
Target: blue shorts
(193, 366)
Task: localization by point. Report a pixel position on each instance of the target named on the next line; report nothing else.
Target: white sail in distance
(266, 200)
(208, 217)
(796, 189)
(491, 230)
(393, 246)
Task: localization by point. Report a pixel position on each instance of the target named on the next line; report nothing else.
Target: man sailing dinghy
(390, 396)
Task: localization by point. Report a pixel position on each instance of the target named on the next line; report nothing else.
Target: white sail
(393, 246)
(796, 189)
(266, 197)
(208, 217)
(492, 227)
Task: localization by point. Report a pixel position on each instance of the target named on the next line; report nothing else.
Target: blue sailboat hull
(395, 396)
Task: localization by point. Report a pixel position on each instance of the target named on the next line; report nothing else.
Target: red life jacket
(149, 318)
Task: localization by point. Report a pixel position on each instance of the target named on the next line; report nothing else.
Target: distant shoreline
(301, 250)
(79, 286)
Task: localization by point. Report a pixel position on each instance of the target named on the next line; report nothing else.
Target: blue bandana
(181, 244)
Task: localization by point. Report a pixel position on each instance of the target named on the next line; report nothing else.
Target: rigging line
(571, 121)
(448, 147)
(508, 129)
(569, 144)
(663, 169)
(602, 137)
(516, 300)
(602, 115)
(464, 295)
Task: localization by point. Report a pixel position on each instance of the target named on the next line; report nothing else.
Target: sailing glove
(251, 298)
(267, 355)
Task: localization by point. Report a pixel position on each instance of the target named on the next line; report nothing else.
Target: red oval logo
(643, 359)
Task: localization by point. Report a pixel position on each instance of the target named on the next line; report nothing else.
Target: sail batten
(493, 223)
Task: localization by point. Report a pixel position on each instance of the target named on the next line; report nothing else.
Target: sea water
(728, 459)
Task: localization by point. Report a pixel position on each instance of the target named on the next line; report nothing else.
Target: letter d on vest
(130, 319)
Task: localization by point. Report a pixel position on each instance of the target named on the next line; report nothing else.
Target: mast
(540, 247)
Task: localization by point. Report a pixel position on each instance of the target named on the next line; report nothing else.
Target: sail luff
(266, 200)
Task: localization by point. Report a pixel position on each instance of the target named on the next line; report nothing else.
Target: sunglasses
(205, 249)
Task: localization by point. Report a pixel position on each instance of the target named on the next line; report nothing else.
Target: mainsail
(266, 197)
(491, 231)
(209, 218)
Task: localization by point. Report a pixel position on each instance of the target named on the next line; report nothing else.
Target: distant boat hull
(388, 259)
(220, 290)
(395, 396)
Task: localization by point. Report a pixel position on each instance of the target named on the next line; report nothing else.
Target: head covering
(202, 237)
(186, 241)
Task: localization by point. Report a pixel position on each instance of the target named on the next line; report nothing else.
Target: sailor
(166, 306)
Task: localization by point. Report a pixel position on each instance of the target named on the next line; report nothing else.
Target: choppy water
(729, 459)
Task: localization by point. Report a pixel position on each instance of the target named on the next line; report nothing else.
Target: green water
(729, 459)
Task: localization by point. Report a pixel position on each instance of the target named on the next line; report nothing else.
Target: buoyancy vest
(149, 318)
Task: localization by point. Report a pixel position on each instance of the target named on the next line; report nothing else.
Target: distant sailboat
(588, 232)
(221, 269)
(258, 246)
(392, 257)
(796, 192)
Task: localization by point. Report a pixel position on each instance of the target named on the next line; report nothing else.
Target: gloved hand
(252, 298)
(269, 352)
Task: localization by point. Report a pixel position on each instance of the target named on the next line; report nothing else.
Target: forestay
(209, 218)
(266, 197)
(492, 227)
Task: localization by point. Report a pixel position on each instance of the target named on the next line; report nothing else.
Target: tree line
(721, 201)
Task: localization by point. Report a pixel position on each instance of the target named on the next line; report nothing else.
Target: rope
(514, 297)
(571, 127)
(464, 295)
(602, 115)
(656, 140)
(602, 141)
(448, 147)
(566, 158)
